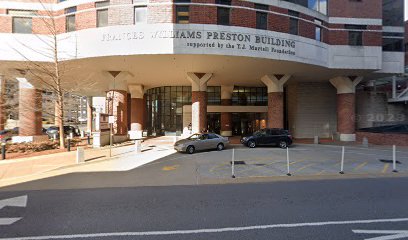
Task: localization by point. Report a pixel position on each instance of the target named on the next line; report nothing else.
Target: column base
(226, 133)
(347, 137)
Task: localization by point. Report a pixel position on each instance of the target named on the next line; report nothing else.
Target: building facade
(227, 66)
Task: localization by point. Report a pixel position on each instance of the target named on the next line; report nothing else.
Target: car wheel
(220, 146)
(190, 149)
(283, 144)
(251, 144)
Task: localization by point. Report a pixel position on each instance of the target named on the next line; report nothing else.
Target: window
(393, 44)
(223, 16)
(356, 37)
(22, 21)
(102, 14)
(393, 12)
(141, 14)
(182, 14)
(70, 19)
(212, 136)
(318, 31)
(293, 23)
(406, 47)
(22, 25)
(223, 13)
(261, 17)
(213, 95)
(318, 5)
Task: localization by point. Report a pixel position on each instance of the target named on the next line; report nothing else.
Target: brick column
(116, 104)
(30, 110)
(275, 84)
(199, 100)
(346, 107)
(275, 110)
(137, 111)
(226, 117)
(199, 111)
(3, 117)
(89, 114)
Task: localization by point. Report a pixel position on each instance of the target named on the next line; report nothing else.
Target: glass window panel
(70, 23)
(261, 20)
(140, 14)
(318, 34)
(102, 18)
(293, 26)
(223, 16)
(393, 12)
(22, 25)
(102, 4)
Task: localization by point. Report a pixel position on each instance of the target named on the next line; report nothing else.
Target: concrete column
(89, 114)
(346, 108)
(275, 85)
(116, 105)
(30, 109)
(199, 100)
(137, 113)
(3, 117)
(226, 117)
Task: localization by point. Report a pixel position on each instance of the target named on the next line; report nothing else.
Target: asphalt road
(325, 209)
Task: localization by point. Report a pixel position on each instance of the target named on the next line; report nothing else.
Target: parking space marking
(304, 167)
(386, 166)
(360, 166)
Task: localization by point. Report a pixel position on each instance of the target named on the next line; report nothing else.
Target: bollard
(233, 164)
(394, 159)
(69, 145)
(365, 142)
(342, 161)
(3, 151)
(288, 161)
(138, 146)
(316, 139)
(89, 139)
(80, 155)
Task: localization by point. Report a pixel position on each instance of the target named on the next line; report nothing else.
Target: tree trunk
(60, 116)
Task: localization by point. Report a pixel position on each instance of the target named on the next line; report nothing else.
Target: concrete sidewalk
(123, 158)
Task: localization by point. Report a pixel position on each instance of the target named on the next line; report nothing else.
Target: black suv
(268, 136)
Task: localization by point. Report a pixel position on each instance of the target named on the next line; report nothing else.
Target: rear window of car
(212, 136)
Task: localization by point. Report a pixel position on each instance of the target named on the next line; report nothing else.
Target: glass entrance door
(214, 122)
(247, 123)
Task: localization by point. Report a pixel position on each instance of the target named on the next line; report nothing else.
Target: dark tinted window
(223, 16)
(261, 20)
(393, 12)
(392, 44)
(212, 136)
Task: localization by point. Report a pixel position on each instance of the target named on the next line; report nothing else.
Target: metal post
(394, 159)
(233, 163)
(288, 161)
(110, 140)
(3, 151)
(89, 139)
(69, 145)
(342, 161)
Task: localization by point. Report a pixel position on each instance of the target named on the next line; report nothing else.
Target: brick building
(229, 66)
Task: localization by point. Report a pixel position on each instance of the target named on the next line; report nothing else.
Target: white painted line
(391, 234)
(14, 202)
(8, 221)
(210, 230)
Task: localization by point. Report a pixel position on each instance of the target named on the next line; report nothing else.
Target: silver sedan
(201, 141)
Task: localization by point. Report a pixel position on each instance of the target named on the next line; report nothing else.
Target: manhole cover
(389, 161)
(238, 162)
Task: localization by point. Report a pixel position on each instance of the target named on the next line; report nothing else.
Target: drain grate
(238, 162)
(260, 164)
(389, 161)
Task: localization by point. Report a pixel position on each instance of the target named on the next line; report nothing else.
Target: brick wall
(383, 138)
(278, 23)
(86, 19)
(203, 14)
(243, 17)
(307, 29)
(122, 15)
(355, 9)
(160, 13)
(6, 24)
